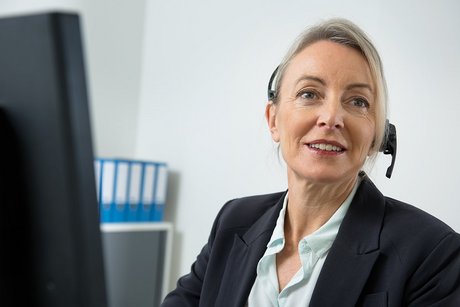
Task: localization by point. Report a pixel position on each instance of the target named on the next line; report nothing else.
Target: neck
(311, 205)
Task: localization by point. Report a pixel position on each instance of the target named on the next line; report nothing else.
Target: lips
(328, 146)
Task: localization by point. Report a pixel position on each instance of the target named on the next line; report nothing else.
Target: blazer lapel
(240, 271)
(354, 252)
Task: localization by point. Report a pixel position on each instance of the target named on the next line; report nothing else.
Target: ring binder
(130, 190)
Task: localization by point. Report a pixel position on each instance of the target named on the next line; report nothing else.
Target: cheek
(368, 139)
(362, 133)
(293, 125)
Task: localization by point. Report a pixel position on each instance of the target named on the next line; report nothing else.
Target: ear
(270, 116)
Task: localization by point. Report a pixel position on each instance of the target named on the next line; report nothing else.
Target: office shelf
(137, 259)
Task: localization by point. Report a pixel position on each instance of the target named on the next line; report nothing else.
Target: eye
(307, 94)
(360, 102)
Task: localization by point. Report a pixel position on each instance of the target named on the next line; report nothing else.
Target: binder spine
(130, 190)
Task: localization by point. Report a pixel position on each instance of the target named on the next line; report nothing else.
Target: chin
(326, 176)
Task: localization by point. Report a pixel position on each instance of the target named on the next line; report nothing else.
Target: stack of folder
(130, 190)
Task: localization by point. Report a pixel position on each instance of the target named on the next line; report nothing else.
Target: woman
(332, 239)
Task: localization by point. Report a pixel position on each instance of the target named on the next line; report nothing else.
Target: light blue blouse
(313, 250)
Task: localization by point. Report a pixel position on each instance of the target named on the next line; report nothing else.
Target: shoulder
(404, 220)
(411, 222)
(427, 250)
(415, 234)
(403, 228)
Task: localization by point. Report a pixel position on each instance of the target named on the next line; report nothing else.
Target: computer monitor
(49, 224)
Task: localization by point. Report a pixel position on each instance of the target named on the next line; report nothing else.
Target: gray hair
(346, 33)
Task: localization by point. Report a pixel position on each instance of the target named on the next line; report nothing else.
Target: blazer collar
(354, 252)
(264, 225)
(241, 268)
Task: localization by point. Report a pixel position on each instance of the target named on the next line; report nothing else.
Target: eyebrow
(359, 85)
(311, 78)
(322, 82)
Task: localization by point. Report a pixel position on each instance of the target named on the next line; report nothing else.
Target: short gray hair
(344, 32)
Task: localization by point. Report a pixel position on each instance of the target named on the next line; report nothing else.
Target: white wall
(206, 66)
(114, 33)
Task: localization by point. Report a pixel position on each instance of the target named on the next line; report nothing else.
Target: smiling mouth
(326, 147)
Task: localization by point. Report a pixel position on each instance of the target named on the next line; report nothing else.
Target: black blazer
(387, 253)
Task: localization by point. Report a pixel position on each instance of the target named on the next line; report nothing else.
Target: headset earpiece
(389, 145)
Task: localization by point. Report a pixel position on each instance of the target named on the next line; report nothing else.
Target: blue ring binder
(130, 190)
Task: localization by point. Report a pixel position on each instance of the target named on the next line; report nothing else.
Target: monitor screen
(49, 223)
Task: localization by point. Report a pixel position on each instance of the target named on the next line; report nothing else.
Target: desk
(137, 259)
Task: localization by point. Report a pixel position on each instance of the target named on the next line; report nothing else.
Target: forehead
(330, 61)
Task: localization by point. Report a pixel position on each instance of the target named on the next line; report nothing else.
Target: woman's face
(325, 117)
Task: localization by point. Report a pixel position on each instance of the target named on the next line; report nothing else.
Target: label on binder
(121, 188)
(147, 191)
(107, 170)
(120, 192)
(135, 186)
(162, 180)
(108, 174)
(160, 192)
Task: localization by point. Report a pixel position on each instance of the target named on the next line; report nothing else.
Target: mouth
(327, 147)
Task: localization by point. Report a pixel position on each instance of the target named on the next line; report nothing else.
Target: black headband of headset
(389, 143)
(271, 92)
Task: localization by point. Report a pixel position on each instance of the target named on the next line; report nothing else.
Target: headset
(389, 143)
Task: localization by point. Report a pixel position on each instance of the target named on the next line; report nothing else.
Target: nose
(331, 115)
